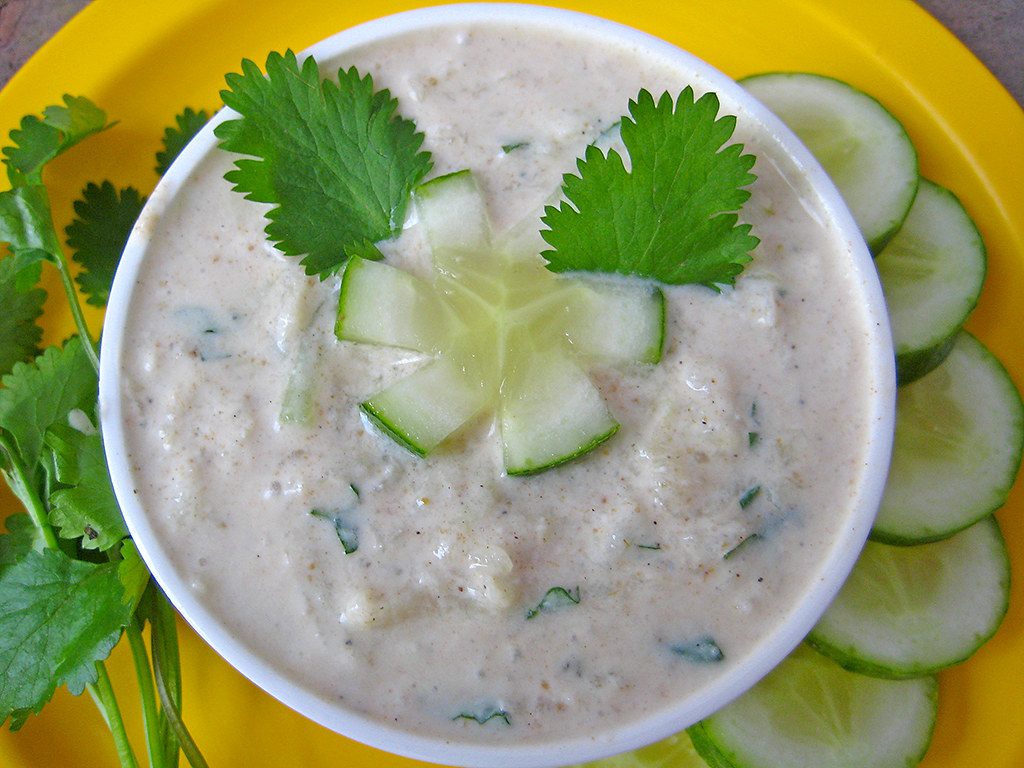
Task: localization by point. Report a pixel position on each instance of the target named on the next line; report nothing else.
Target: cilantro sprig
(72, 583)
(333, 158)
(672, 215)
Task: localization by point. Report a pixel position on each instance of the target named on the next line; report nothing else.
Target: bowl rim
(661, 723)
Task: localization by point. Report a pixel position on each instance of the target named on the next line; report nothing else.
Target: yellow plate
(143, 62)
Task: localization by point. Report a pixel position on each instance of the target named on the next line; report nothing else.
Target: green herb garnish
(39, 140)
(82, 502)
(334, 159)
(67, 601)
(672, 216)
(67, 612)
(105, 217)
(23, 304)
(186, 125)
(554, 598)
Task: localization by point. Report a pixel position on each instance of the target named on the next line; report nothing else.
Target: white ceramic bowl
(573, 748)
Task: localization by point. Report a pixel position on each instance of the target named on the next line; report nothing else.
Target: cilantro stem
(164, 631)
(150, 718)
(102, 693)
(170, 708)
(75, 305)
(19, 481)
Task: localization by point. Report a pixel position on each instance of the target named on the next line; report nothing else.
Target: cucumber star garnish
(507, 337)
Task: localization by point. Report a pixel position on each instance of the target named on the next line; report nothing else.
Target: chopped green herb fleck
(348, 535)
(703, 650)
(486, 715)
(753, 438)
(749, 495)
(507, 148)
(556, 597)
(649, 546)
(743, 543)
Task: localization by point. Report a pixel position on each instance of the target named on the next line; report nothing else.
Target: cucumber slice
(381, 304)
(617, 322)
(959, 436)
(931, 272)
(811, 713)
(911, 611)
(551, 412)
(422, 410)
(865, 150)
(454, 217)
(674, 752)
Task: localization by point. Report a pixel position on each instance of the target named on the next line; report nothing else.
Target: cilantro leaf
(187, 125)
(26, 224)
(84, 505)
(133, 575)
(364, 250)
(19, 540)
(37, 141)
(671, 216)
(22, 305)
(105, 218)
(334, 159)
(37, 395)
(46, 638)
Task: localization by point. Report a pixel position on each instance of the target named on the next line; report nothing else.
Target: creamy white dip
(761, 396)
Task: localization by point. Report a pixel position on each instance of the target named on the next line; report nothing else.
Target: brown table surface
(992, 29)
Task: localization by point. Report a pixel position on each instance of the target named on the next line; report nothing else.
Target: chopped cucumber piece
(381, 304)
(811, 713)
(551, 413)
(865, 150)
(423, 409)
(617, 322)
(911, 611)
(299, 403)
(959, 436)
(454, 216)
(931, 272)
